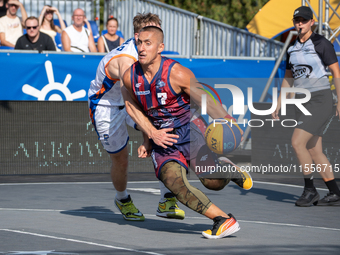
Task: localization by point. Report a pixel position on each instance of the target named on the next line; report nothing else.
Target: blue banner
(67, 77)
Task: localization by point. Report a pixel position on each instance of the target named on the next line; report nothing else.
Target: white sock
(122, 195)
(163, 190)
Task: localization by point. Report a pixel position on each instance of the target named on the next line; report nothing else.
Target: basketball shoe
(168, 208)
(222, 227)
(129, 210)
(241, 177)
(308, 197)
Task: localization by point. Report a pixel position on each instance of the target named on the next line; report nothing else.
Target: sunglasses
(28, 28)
(302, 20)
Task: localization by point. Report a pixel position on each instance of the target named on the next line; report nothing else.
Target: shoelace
(129, 206)
(173, 202)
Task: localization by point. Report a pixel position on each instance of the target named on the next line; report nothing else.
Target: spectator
(76, 37)
(34, 39)
(109, 41)
(46, 22)
(11, 25)
(3, 8)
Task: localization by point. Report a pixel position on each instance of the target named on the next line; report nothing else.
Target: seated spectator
(34, 39)
(77, 38)
(46, 22)
(110, 40)
(11, 25)
(3, 8)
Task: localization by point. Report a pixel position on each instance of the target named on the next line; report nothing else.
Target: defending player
(157, 97)
(110, 118)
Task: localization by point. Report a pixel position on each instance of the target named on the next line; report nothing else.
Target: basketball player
(157, 97)
(110, 118)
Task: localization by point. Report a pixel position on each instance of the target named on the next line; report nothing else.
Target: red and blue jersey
(163, 106)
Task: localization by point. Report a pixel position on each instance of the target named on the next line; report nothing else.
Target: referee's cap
(304, 12)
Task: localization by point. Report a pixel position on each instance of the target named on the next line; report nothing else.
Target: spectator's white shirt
(11, 27)
(79, 40)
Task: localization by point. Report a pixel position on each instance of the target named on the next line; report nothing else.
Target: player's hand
(338, 110)
(144, 150)
(162, 138)
(275, 115)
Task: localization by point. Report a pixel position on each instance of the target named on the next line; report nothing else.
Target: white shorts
(110, 124)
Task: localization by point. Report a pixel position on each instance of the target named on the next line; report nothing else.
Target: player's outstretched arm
(160, 137)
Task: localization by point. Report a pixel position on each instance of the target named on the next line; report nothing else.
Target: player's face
(148, 46)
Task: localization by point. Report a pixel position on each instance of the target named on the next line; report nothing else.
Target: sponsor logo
(160, 84)
(142, 93)
(204, 158)
(53, 91)
(301, 71)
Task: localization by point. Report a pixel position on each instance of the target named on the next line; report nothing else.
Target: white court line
(138, 182)
(154, 216)
(80, 241)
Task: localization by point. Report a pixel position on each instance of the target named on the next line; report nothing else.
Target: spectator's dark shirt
(3, 9)
(44, 42)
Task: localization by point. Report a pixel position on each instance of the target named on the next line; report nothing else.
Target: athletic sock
(122, 195)
(164, 192)
(309, 183)
(333, 187)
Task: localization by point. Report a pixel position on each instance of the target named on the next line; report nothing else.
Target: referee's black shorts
(320, 106)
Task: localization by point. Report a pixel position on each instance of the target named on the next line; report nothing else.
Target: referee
(307, 60)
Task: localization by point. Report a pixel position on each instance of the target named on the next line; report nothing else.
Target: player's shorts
(320, 106)
(179, 152)
(110, 124)
(190, 149)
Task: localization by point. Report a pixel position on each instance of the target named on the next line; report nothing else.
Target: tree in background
(237, 13)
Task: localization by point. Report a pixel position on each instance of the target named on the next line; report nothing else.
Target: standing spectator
(109, 41)
(76, 37)
(46, 22)
(3, 8)
(11, 25)
(34, 39)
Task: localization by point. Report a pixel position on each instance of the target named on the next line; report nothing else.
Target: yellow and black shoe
(129, 210)
(169, 209)
(241, 177)
(222, 227)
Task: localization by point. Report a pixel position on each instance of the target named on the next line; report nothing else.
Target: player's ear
(160, 48)
(313, 21)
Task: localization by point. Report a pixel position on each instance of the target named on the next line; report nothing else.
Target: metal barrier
(191, 34)
(65, 7)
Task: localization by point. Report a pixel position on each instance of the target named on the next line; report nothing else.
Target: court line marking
(154, 216)
(80, 241)
(139, 182)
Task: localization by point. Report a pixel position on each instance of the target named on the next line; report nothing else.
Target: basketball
(223, 138)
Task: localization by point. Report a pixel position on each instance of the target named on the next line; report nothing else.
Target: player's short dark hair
(153, 29)
(142, 19)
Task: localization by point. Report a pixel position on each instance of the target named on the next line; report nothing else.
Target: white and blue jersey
(308, 62)
(106, 104)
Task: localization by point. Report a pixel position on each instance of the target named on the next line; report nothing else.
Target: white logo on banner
(52, 91)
